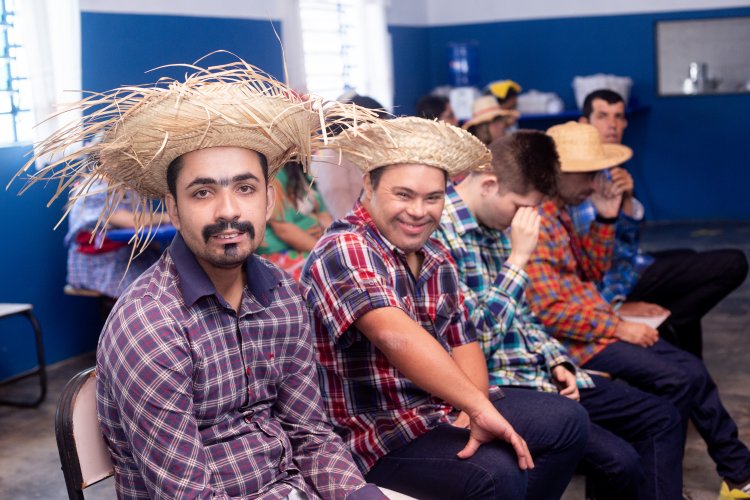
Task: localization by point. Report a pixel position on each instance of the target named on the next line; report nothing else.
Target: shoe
(734, 493)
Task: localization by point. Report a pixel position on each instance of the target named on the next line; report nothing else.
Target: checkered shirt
(353, 270)
(518, 350)
(103, 272)
(196, 400)
(563, 271)
(628, 262)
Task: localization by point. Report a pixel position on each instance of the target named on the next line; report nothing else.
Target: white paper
(652, 321)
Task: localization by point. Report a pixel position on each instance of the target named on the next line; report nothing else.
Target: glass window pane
(23, 98)
(6, 129)
(5, 102)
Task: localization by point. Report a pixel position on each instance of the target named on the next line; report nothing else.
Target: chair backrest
(83, 453)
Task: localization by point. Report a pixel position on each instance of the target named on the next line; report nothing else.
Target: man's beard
(232, 256)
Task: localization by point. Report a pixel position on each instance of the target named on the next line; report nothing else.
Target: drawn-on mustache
(242, 226)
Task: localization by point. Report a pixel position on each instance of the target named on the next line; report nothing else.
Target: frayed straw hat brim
(614, 155)
(489, 116)
(411, 140)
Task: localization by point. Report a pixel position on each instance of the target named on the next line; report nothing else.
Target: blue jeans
(681, 378)
(635, 444)
(555, 429)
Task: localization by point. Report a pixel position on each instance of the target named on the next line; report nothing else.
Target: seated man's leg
(428, 468)
(681, 378)
(690, 284)
(556, 431)
(635, 444)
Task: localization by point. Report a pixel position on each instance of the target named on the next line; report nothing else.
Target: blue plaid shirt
(518, 350)
(628, 262)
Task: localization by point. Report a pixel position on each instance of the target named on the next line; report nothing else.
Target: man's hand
(524, 233)
(636, 333)
(488, 425)
(644, 309)
(565, 382)
(622, 180)
(607, 197)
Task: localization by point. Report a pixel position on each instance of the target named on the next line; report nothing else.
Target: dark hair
(365, 102)
(606, 95)
(482, 132)
(508, 95)
(526, 160)
(376, 174)
(296, 181)
(431, 106)
(173, 171)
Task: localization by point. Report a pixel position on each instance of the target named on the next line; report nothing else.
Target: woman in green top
(298, 220)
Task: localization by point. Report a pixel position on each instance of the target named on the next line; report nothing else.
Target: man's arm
(416, 354)
(582, 320)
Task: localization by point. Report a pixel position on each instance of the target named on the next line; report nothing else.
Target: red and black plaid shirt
(353, 270)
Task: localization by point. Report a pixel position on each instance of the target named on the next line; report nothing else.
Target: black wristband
(605, 220)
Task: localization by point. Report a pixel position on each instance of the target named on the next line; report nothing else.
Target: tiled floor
(30, 467)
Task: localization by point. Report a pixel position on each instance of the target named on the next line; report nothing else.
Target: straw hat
(581, 150)
(144, 128)
(485, 109)
(412, 140)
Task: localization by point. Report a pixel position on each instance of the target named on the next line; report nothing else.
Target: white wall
(244, 9)
(452, 12)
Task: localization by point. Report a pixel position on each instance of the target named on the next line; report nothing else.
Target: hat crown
(577, 141)
(581, 150)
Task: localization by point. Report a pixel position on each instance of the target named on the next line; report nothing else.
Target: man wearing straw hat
(683, 281)
(489, 120)
(563, 273)
(397, 355)
(206, 383)
(634, 448)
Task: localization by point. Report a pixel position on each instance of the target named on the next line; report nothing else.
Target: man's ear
(489, 184)
(174, 214)
(583, 119)
(270, 200)
(367, 185)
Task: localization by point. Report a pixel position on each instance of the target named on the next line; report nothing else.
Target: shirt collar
(462, 218)
(194, 283)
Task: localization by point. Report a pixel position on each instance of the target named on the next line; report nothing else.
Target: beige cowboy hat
(144, 128)
(412, 140)
(581, 149)
(485, 109)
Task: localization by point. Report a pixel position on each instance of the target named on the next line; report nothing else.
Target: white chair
(7, 311)
(83, 452)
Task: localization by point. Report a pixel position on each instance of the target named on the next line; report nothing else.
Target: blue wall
(117, 50)
(690, 161)
(32, 259)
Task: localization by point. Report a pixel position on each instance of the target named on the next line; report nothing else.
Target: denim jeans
(555, 429)
(682, 379)
(635, 444)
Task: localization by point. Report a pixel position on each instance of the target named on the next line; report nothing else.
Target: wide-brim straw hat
(412, 140)
(485, 109)
(140, 130)
(580, 148)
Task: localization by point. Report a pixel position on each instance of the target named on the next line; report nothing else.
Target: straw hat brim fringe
(412, 140)
(142, 129)
(614, 155)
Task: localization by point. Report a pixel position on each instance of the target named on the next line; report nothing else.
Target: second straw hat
(581, 150)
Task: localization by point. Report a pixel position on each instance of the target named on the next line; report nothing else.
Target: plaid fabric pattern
(353, 270)
(563, 271)
(628, 262)
(105, 272)
(518, 350)
(196, 400)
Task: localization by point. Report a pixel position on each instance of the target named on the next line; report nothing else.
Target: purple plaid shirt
(198, 401)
